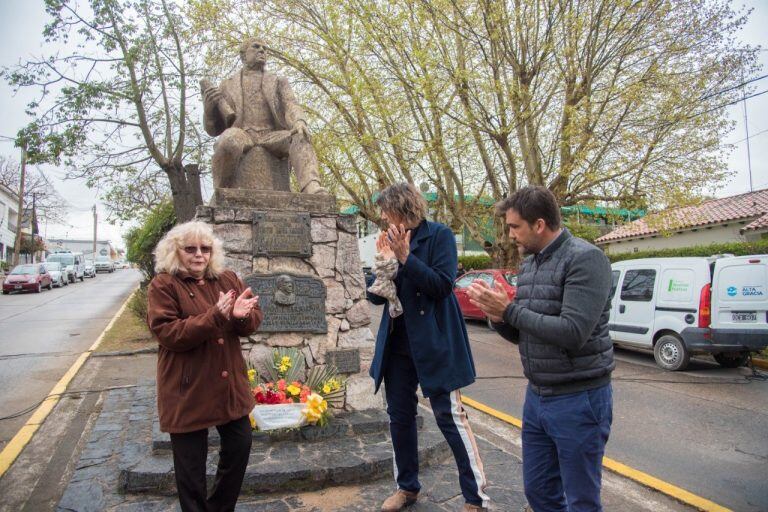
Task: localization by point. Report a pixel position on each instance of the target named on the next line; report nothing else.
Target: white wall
(7, 237)
(702, 236)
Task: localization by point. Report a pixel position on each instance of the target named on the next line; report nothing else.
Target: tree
(142, 240)
(115, 106)
(38, 191)
(599, 100)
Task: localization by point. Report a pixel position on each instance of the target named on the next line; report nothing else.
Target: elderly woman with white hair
(198, 310)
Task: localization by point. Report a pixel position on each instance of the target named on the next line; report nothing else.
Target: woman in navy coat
(426, 345)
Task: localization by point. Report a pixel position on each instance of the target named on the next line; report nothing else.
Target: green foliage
(141, 241)
(736, 248)
(137, 304)
(476, 262)
(588, 232)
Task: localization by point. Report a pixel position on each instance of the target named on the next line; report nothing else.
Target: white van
(682, 306)
(73, 262)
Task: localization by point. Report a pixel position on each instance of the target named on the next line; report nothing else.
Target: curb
(640, 477)
(15, 446)
(760, 363)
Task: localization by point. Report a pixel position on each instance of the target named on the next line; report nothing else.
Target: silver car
(58, 274)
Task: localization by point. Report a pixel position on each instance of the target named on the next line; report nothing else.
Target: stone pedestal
(271, 236)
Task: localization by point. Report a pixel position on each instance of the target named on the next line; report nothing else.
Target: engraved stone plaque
(282, 234)
(345, 360)
(290, 303)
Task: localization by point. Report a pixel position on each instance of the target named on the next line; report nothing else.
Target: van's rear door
(740, 300)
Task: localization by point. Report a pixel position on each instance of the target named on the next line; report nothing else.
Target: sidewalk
(72, 462)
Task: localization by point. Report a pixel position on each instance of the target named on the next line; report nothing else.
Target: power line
(728, 104)
(742, 84)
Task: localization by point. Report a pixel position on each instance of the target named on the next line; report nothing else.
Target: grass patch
(129, 332)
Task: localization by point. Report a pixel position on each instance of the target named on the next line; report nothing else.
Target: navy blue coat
(436, 331)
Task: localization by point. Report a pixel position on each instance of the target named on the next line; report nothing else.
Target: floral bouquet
(285, 400)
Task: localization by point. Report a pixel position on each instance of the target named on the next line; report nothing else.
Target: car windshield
(52, 266)
(25, 270)
(511, 279)
(64, 259)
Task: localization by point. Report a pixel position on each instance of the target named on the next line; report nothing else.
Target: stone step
(285, 466)
(348, 424)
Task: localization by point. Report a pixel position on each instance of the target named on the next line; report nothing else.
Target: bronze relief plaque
(282, 234)
(290, 303)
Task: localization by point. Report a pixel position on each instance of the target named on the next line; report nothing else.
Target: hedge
(476, 262)
(142, 239)
(735, 248)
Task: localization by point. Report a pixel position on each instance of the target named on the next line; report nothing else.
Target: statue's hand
(300, 129)
(211, 97)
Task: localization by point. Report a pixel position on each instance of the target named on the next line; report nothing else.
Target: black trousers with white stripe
(401, 381)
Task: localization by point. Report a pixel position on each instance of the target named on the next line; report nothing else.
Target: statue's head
(284, 283)
(253, 53)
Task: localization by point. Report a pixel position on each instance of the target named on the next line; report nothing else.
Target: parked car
(74, 262)
(683, 306)
(90, 269)
(30, 277)
(121, 264)
(57, 273)
(368, 275)
(507, 279)
(104, 264)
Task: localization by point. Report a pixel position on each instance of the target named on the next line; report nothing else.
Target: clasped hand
(395, 242)
(492, 301)
(239, 307)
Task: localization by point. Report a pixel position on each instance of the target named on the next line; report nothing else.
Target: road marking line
(647, 480)
(15, 446)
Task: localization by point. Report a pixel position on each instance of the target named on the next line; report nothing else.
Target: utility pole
(746, 129)
(94, 234)
(17, 245)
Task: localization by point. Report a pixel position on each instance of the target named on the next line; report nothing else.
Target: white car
(682, 306)
(58, 274)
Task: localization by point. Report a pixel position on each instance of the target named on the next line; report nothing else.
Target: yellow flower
(315, 408)
(326, 389)
(251, 375)
(293, 390)
(283, 368)
(253, 421)
(286, 361)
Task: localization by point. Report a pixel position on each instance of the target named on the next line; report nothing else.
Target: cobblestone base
(122, 438)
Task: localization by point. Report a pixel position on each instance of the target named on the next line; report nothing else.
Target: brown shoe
(399, 501)
(468, 507)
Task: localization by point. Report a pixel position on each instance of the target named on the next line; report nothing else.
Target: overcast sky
(22, 21)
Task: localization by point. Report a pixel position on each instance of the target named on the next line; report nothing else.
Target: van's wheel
(731, 359)
(82, 278)
(670, 353)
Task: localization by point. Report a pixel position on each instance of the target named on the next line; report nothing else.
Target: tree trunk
(185, 189)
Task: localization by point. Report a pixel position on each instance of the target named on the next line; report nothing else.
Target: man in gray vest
(257, 108)
(559, 319)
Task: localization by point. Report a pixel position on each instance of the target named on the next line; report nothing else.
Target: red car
(507, 279)
(31, 277)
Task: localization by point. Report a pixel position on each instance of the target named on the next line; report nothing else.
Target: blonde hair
(167, 250)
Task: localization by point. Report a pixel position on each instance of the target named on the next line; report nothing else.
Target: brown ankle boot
(399, 501)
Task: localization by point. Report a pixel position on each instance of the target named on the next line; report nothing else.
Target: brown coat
(202, 378)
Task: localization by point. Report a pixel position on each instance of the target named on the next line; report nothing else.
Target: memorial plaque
(290, 303)
(345, 360)
(282, 234)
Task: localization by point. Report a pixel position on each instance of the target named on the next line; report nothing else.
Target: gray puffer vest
(560, 317)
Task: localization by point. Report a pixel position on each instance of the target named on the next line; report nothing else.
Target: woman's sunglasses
(192, 249)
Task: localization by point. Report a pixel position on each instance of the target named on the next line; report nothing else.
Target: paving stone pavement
(121, 436)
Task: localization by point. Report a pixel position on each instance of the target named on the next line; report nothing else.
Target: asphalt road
(705, 429)
(42, 334)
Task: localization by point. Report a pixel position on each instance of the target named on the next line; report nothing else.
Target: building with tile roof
(739, 218)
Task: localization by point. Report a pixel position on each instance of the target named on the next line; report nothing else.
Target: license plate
(17, 287)
(744, 316)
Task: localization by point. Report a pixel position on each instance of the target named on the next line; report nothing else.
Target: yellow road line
(678, 493)
(760, 363)
(14, 447)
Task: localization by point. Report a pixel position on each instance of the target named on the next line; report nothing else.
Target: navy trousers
(400, 382)
(564, 440)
